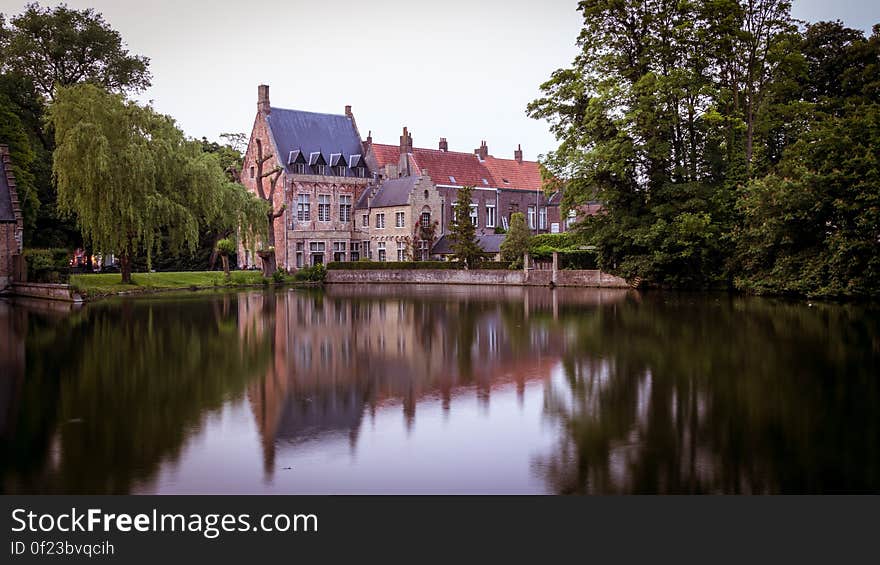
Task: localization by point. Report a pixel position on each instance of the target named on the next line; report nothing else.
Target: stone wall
(479, 277)
(8, 248)
(61, 292)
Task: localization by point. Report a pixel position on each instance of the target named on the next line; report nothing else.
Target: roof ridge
(307, 112)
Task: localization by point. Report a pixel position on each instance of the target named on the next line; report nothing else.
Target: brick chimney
(263, 99)
(406, 142)
(518, 153)
(482, 152)
(443, 145)
(348, 110)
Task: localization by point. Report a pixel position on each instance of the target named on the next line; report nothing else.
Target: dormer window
(452, 179)
(360, 172)
(317, 163)
(337, 162)
(358, 166)
(297, 162)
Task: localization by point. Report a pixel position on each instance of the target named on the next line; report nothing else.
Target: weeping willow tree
(129, 175)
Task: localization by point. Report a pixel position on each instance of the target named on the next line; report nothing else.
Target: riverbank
(83, 288)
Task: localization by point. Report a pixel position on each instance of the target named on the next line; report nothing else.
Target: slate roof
(312, 132)
(394, 192)
(452, 168)
(490, 243)
(7, 214)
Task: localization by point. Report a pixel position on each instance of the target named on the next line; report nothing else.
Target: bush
(278, 276)
(384, 265)
(316, 273)
(47, 265)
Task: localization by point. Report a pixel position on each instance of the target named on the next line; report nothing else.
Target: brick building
(11, 224)
(401, 216)
(323, 172)
(502, 187)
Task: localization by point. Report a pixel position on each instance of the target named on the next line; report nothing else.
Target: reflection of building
(350, 351)
(11, 225)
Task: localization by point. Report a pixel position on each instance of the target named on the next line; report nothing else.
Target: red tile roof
(525, 175)
(466, 168)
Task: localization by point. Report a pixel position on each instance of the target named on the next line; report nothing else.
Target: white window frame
(531, 217)
(401, 251)
(380, 221)
(491, 217)
(344, 208)
(399, 219)
(474, 214)
(323, 207)
(381, 251)
(303, 208)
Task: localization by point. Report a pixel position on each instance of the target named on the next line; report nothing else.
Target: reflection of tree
(133, 381)
(717, 395)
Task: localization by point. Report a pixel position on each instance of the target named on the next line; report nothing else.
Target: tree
(225, 247)
(463, 233)
(130, 176)
(12, 133)
(61, 46)
(267, 253)
(516, 243)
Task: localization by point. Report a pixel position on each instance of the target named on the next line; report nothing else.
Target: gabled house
(502, 187)
(11, 223)
(323, 172)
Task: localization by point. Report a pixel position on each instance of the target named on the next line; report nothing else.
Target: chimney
(263, 99)
(369, 141)
(406, 143)
(443, 145)
(348, 110)
(482, 152)
(518, 153)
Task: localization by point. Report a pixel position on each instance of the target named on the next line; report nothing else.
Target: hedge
(410, 265)
(47, 265)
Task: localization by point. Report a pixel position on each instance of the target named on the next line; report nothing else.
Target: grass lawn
(108, 284)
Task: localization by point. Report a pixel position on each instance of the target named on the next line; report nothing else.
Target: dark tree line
(729, 144)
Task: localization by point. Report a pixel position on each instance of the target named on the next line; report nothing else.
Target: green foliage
(663, 123)
(13, 134)
(278, 276)
(57, 47)
(517, 242)
(463, 234)
(132, 178)
(47, 265)
(226, 246)
(391, 265)
(315, 273)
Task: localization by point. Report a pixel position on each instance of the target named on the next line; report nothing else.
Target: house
(11, 223)
(489, 243)
(502, 187)
(401, 215)
(322, 168)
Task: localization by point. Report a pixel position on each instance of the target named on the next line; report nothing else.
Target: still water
(439, 389)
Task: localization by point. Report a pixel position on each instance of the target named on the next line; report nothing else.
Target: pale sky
(460, 69)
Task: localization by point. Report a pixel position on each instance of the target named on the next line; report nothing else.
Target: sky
(460, 69)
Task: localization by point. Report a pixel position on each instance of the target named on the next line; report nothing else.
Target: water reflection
(439, 389)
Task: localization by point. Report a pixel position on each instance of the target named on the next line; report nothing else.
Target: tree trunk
(125, 267)
(270, 262)
(225, 259)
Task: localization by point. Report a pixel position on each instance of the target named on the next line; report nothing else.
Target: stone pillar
(553, 275)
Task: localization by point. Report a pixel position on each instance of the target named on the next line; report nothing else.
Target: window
(485, 182)
(367, 252)
(323, 207)
(531, 217)
(424, 254)
(345, 208)
(490, 216)
(398, 219)
(380, 221)
(359, 172)
(452, 215)
(339, 170)
(299, 168)
(317, 251)
(365, 220)
(401, 251)
(299, 254)
(339, 251)
(426, 195)
(381, 246)
(303, 208)
(320, 169)
(252, 172)
(542, 218)
(355, 248)
(473, 214)
(572, 218)
(452, 179)
(425, 220)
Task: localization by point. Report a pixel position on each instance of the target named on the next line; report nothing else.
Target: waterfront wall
(61, 292)
(590, 278)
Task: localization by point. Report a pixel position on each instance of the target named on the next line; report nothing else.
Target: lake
(439, 389)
